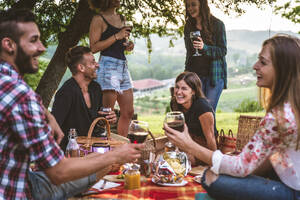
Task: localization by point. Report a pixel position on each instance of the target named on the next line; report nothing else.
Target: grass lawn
(225, 121)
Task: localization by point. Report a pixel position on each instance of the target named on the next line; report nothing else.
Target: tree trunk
(78, 27)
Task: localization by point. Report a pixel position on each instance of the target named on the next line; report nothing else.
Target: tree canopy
(67, 23)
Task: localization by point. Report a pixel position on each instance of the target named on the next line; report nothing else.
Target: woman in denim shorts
(109, 36)
(274, 150)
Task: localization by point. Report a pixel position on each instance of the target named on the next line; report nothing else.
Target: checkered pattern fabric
(24, 135)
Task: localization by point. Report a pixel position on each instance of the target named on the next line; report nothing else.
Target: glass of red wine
(175, 120)
(128, 25)
(194, 36)
(138, 131)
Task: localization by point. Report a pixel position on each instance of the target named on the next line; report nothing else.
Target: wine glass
(194, 36)
(128, 25)
(175, 120)
(138, 131)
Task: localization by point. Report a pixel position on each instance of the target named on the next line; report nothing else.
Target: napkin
(95, 189)
(108, 185)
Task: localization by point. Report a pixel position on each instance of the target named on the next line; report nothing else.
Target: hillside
(166, 62)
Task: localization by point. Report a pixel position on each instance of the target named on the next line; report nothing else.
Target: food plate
(198, 178)
(184, 182)
(113, 178)
(195, 171)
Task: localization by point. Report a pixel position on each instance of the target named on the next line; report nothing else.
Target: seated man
(24, 134)
(78, 101)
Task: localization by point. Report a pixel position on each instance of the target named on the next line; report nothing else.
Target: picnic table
(151, 191)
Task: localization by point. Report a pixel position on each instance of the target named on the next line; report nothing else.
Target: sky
(256, 19)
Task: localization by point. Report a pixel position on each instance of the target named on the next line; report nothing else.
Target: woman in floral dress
(275, 145)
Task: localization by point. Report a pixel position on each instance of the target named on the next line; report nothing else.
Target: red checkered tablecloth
(150, 190)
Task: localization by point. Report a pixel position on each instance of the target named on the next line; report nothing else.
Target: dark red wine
(195, 39)
(137, 137)
(177, 125)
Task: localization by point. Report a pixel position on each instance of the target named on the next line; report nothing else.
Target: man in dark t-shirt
(78, 101)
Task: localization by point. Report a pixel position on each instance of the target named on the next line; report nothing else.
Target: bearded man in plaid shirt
(25, 135)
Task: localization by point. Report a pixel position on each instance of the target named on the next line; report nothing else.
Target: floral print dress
(271, 141)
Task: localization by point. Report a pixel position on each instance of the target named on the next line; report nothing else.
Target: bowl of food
(171, 168)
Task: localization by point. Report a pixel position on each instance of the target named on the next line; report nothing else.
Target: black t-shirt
(70, 110)
(199, 107)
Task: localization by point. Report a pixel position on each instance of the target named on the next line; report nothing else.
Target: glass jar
(132, 179)
(72, 149)
(169, 147)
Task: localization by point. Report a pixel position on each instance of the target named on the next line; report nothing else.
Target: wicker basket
(86, 142)
(246, 129)
(227, 143)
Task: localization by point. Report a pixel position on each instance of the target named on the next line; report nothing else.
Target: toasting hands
(198, 44)
(182, 140)
(128, 152)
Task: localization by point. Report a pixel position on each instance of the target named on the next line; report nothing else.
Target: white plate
(184, 182)
(198, 178)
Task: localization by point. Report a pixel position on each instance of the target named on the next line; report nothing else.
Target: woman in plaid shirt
(211, 65)
(25, 135)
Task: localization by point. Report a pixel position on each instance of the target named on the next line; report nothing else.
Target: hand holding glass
(128, 25)
(194, 36)
(175, 120)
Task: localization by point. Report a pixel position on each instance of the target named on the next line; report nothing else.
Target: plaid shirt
(216, 52)
(24, 135)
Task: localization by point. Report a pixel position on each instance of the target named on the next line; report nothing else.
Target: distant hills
(243, 40)
(166, 62)
(237, 40)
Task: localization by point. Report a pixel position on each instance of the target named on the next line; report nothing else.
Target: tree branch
(78, 27)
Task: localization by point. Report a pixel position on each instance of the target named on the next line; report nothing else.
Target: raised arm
(97, 27)
(74, 168)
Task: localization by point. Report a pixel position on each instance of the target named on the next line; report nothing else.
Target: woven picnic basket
(150, 146)
(86, 142)
(246, 129)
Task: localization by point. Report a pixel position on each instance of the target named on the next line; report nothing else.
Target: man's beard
(23, 62)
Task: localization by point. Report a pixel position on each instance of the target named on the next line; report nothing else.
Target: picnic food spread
(171, 167)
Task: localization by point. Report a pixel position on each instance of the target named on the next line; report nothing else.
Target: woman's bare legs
(125, 101)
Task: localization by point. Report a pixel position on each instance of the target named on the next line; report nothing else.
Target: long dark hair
(194, 82)
(101, 5)
(285, 56)
(206, 21)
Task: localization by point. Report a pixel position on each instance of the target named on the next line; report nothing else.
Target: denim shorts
(113, 74)
(248, 188)
(42, 188)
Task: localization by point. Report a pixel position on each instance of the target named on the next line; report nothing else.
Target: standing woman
(211, 65)
(275, 147)
(199, 115)
(108, 36)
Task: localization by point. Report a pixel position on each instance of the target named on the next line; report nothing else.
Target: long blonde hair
(285, 56)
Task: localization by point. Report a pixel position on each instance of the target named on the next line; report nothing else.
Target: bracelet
(115, 37)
